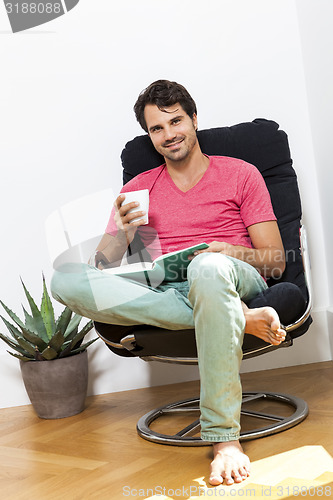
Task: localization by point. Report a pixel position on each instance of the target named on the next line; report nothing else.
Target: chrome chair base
(293, 411)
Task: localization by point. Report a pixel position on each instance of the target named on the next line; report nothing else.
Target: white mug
(142, 196)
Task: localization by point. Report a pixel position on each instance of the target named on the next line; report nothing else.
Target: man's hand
(225, 248)
(124, 220)
(111, 249)
(267, 256)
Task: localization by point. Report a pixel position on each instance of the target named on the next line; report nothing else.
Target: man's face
(172, 131)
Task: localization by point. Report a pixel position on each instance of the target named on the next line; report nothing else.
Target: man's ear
(195, 121)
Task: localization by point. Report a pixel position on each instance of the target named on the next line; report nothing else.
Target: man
(193, 198)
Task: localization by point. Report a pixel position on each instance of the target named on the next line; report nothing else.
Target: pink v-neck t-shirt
(230, 197)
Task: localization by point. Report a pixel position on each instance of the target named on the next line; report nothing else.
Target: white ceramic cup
(142, 196)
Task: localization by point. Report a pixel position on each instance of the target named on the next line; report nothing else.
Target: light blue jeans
(210, 301)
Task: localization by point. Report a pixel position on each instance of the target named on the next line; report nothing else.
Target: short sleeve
(256, 205)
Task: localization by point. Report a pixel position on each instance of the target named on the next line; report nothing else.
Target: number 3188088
(304, 491)
(34, 8)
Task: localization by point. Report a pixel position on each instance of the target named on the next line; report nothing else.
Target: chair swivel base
(291, 411)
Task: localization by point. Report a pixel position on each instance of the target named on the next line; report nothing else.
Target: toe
(230, 476)
(240, 475)
(215, 479)
(282, 333)
(228, 479)
(243, 472)
(272, 339)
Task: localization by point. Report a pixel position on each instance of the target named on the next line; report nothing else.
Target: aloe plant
(41, 337)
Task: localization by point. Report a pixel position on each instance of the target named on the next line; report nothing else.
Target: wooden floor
(98, 453)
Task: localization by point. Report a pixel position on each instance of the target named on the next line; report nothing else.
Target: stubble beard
(185, 148)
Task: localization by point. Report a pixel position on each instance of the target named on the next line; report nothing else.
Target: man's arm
(111, 249)
(267, 256)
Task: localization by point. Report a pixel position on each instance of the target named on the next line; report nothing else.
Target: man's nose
(169, 134)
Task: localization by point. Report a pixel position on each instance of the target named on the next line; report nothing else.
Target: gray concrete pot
(57, 388)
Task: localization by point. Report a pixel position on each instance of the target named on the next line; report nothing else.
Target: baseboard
(330, 327)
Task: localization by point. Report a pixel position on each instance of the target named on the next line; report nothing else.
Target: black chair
(261, 143)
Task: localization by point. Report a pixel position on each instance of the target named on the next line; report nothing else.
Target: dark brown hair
(163, 94)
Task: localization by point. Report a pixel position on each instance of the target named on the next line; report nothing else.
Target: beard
(179, 148)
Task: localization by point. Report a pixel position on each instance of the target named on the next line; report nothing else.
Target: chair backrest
(261, 143)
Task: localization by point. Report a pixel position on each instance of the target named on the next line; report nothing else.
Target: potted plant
(53, 362)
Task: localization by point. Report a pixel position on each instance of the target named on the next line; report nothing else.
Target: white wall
(317, 49)
(67, 92)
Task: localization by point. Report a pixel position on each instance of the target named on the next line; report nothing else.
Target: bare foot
(263, 322)
(230, 464)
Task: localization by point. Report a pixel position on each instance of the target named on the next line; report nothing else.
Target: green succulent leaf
(30, 336)
(29, 321)
(57, 341)
(49, 353)
(21, 357)
(70, 347)
(66, 350)
(27, 353)
(47, 312)
(11, 343)
(72, 328)
(15, 332)
(79, 336)
(39, 323)
(27, 346)
(63, 320)
(41, 337)
(34, 339)
(12, 315)
(82, 347)
(72, 335)
(25, 334)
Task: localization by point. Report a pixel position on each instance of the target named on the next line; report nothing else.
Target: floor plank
(98, 453)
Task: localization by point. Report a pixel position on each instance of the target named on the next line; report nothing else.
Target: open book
(168, 267)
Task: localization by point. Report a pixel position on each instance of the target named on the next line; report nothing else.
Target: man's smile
(174, 144)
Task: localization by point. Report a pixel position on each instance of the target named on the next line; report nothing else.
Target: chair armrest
(307, 274)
